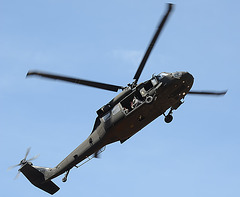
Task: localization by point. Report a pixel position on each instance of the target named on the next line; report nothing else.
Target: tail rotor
(24, 161)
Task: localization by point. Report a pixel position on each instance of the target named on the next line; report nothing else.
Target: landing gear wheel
(168, 118)
(65, 177)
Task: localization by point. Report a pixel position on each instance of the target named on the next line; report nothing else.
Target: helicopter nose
(183, 82)
(187, 78)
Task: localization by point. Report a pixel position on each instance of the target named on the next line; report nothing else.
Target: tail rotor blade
(33, 158)
(17, 176)
(28, 150)
(11, 167)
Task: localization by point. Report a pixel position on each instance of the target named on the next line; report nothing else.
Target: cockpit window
(163, 74)
(154, 81)
(177, 75)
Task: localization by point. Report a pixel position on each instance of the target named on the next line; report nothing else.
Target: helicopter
(136, 106)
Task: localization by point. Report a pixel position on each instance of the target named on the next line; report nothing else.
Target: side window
(106, 117)
(116, 109)
(143, 92)
(132, 102)
(148, 85)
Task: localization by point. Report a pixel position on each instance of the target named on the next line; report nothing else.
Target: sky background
(195, 155)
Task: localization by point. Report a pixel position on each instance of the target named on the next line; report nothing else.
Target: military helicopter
(126, 114)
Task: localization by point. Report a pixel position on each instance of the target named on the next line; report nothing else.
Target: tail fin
(37, 178)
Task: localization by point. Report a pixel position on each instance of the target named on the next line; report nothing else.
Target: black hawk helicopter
(126, 114)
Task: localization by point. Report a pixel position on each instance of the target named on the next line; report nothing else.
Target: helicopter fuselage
(131, 110)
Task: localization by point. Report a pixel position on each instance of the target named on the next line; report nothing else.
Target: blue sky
(196, 155)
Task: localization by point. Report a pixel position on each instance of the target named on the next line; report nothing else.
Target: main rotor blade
(17, 176)
(151, 45)
(208, 93)
(104, 86)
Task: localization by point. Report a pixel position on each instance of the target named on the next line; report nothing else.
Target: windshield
(177, 75)
(163, 74)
